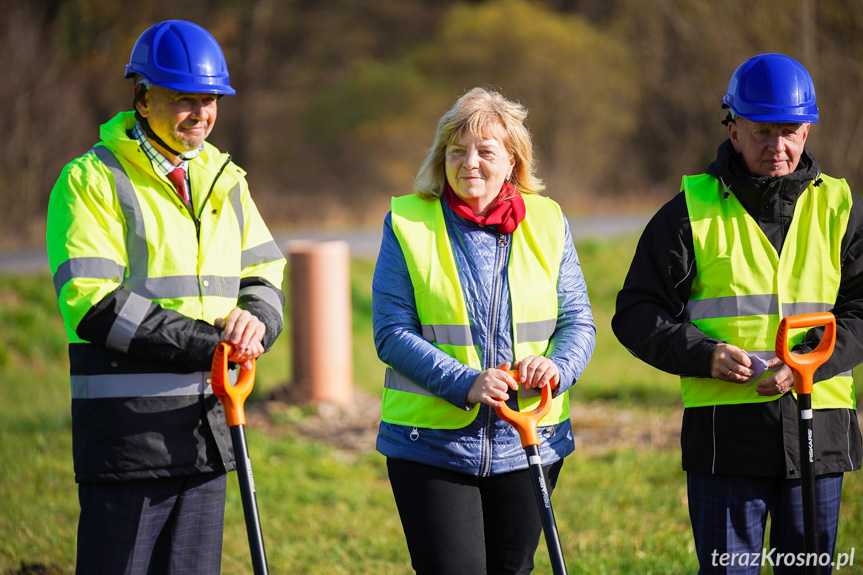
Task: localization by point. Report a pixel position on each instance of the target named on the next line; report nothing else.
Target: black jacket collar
(757, 191)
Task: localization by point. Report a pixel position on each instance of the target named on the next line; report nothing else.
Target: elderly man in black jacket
(762, 235)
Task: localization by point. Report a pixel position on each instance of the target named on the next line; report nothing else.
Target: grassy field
(619, 510)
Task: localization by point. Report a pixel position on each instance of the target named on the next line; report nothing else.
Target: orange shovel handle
(805, 364)
(525, 422)
(232, 396)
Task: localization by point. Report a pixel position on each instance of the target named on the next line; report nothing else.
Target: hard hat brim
(216, 87)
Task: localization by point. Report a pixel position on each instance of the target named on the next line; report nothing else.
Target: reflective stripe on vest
(534, 264)
(144, 385)
(743, 288)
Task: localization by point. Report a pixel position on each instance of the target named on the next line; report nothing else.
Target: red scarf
(506, 212)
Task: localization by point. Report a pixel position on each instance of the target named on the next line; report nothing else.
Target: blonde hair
(484, 113)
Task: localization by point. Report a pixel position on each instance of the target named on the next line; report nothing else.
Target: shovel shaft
(804, 366)
(250, 502)
(233, 398)
(525, 423)
(543, 500)
(807, 482)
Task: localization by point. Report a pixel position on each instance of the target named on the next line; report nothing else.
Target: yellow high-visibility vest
(744, 288)
(533, 269)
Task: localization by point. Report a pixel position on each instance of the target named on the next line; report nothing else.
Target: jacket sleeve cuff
(266, 302)
(702, 356)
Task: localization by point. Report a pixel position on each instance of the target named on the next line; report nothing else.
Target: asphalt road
(362, 242)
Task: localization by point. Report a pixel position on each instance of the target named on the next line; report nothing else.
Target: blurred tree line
(338, 99)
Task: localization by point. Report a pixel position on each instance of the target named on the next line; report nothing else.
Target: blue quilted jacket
(489, 445)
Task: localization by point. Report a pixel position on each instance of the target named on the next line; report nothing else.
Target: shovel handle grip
(232, 396)
(805, 364)
(525, 422)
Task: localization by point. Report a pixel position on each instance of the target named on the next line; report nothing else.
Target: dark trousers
(457, 524)
(152, 527)
(729, 515)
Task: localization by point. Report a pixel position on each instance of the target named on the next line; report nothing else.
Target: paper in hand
(759, 366)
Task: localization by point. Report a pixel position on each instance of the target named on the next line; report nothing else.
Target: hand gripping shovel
(233, 397)
(804, 366)
(525, 423)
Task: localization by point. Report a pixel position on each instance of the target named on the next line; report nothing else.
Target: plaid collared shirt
(161, 164)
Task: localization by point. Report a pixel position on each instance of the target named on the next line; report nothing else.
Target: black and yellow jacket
(650, 320)
(140, 280)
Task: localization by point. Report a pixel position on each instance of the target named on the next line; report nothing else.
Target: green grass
(325, 512)
(39, 511)
(613, 373)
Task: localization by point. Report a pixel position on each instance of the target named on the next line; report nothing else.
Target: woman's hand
(491, 387)
(538, 371)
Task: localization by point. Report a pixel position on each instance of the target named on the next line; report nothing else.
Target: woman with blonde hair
(477, 275)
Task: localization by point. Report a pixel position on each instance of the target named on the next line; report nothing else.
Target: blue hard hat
(772, 88)
(180, 56)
